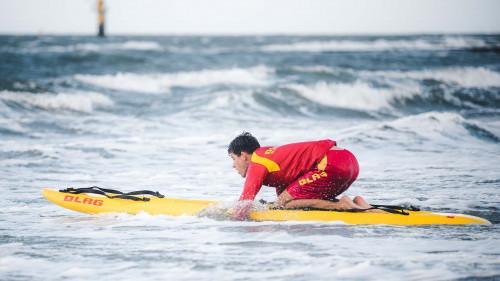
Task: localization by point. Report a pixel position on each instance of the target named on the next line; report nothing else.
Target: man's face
(240, 163)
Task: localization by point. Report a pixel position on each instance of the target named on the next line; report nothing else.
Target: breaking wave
(84, 102)
(437, 127)
(446, 43)
(468, 77)
(315, 69)
(8, 127)
(419, 90)
(357, 96)
(161, 83)
(103, 47)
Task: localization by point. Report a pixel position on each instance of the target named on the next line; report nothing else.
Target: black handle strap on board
(133, 195)
(394, 209)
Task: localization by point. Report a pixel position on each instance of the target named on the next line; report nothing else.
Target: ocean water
(421, 113)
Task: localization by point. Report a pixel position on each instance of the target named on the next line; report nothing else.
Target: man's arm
(254, 179)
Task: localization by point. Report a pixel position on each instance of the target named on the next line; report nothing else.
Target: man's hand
(273, 206)
(283, 199)
(242, 209)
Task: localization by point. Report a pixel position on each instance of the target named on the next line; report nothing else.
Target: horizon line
(271, 34)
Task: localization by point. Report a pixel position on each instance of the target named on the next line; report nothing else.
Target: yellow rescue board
(92, 204)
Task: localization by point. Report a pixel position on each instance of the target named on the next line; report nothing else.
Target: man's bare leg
(286, 201)
(344, 203)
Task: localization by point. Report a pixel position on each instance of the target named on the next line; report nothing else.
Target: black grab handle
(121, 195)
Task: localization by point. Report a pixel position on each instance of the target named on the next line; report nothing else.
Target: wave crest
(445, 43)
(436, 127)
(468, 77)
(460, 88)
(357, 96)
(95, 47)
(81, 102)
(159, 83)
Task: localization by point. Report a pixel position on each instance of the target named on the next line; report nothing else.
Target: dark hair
(244, 142)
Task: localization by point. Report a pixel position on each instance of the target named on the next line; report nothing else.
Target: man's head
(240, 150)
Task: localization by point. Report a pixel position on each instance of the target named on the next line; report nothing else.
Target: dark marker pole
(100, 11)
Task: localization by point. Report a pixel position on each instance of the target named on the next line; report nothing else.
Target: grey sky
(251, 16)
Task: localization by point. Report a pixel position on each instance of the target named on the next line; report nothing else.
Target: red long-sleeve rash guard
(279, 166)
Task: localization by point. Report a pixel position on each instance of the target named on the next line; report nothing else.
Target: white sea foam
(129, 45)
(315, 69)
(11, 125)
(359, 96)
(160, 83)
(457, 42)
(435, 123)
(140, 45)
(376, 45)
(437, 127)
(94, 47)
(229, 102)
(469, 77)
(81, 101)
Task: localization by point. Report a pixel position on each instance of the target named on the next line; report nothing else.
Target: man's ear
(246, 156)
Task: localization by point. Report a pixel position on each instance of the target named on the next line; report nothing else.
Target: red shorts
(328, 179)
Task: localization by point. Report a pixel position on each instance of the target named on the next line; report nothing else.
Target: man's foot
(360, 201)
(347, 203)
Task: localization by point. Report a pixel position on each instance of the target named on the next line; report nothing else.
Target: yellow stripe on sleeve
(270, 165)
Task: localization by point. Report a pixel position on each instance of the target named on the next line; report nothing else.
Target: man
(307, 174)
